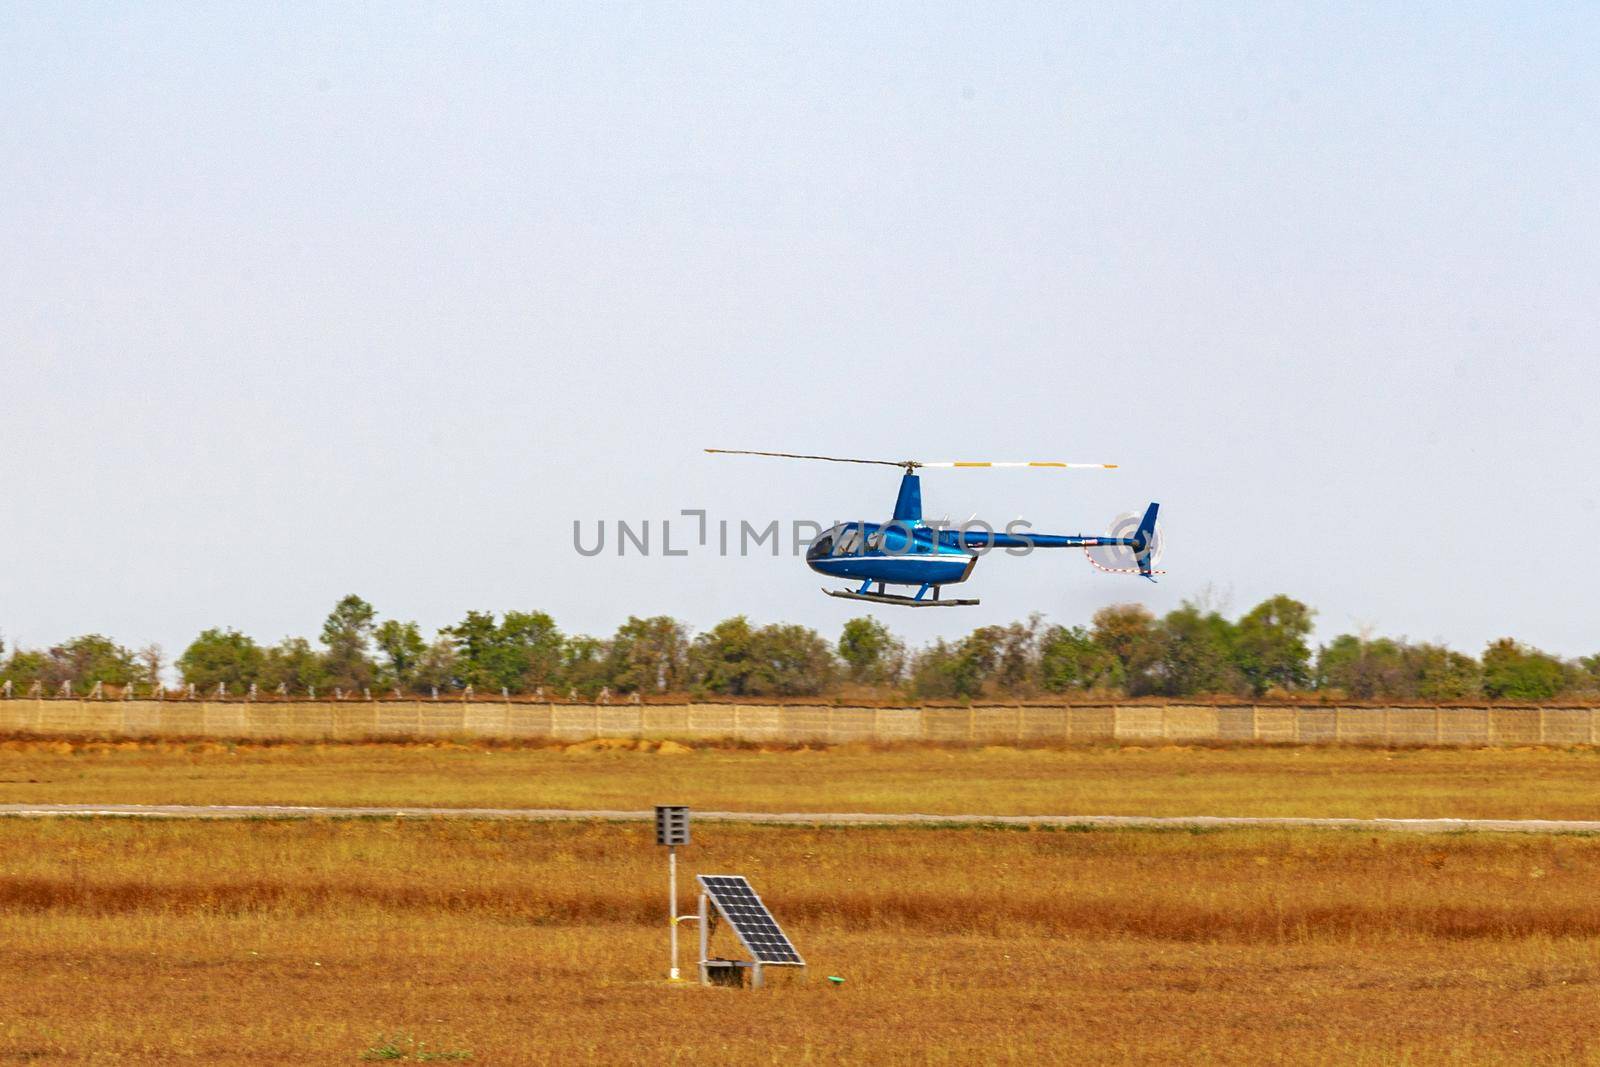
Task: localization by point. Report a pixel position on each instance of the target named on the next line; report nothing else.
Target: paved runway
(1185, 822)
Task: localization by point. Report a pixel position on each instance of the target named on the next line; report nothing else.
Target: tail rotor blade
(1123, 559)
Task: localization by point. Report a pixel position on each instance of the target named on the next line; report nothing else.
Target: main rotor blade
(829, 459)
(1031, 463)
(912, 463)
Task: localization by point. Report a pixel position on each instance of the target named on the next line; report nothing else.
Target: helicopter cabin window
(849, 542)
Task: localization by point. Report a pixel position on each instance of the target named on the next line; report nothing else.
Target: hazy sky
(302, 300)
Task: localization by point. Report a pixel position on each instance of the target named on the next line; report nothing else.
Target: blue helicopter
(906, 551)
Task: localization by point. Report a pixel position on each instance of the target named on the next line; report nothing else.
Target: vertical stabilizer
(1143, 541)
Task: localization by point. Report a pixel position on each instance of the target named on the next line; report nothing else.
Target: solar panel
(757, 930)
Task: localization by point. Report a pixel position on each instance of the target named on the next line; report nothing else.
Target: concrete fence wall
(805, 723)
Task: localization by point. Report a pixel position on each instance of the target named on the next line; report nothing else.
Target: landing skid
(892, 598)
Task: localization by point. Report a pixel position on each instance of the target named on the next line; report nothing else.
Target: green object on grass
(835, 979)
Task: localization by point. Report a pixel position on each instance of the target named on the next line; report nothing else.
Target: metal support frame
(757, 978)
(705, 936)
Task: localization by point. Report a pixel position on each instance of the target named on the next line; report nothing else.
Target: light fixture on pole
(672, 830)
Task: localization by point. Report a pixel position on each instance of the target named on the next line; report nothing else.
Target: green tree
(871, 654)
(437, 668)
(1016, 658)
(959, 670)
(476, 640)
(724, 658)
(532, 647)
(1364, 669)
(736, 659)
(649, 655)
(1517, 672)
(1069, 658)
(85, 660)
(976, 658)
(1584, 675)
(1387, 668)
(1196, 654)
(1444, 674)
(347, 633)
(521, 653)
(1269, 645)
(792, 660)
(402, 648)
(1128, 633)
(26, 666)
(932, 671)
(294, 664)
(222, 656)
(585, 664)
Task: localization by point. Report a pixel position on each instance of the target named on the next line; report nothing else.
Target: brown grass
(317, 941)
(1081, 780)
(312, 942)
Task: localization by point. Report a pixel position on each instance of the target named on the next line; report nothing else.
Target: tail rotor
(1138, 548)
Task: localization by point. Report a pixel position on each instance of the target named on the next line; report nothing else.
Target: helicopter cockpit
(842, 540)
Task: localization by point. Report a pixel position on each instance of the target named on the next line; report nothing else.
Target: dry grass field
(1083, 780)
(490, 942)
(344, 942)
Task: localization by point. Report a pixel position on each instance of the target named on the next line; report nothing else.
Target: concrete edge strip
(859, 819)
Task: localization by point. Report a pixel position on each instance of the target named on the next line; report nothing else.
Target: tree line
(1125, 651)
